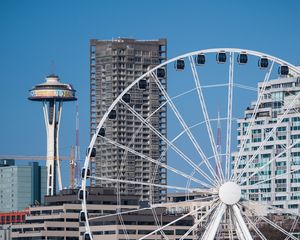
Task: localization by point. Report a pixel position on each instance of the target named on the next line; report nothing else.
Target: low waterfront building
(58, 218)
(9, 218)
(5, 232)
(13, 217)
(138, 224)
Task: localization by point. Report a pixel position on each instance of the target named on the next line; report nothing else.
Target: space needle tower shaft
(52, 94)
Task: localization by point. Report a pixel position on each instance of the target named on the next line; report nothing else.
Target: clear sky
(36, 33)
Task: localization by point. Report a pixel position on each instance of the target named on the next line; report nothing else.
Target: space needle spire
(52, 94)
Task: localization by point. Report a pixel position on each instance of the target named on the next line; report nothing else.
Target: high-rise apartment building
(21, 186)
(114, 64)
(280, 191)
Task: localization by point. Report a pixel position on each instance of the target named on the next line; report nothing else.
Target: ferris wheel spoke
(174, 221)
(169, 143)
(158, 224)
(161, 164)
(277, 227)
(258, 172)
(195, 89)
(229, 116)
(193, 126)
(206, 117)
(190, 202)
(187, 130)
(193, 172)
(264, 205)
(252, 119)
(242, 86)
(185, 127)
(257, 104)
(123, 226)
(275, 177)
(271, 223)
(253, 226)
(206, 215)
(149, 184)
(175, 97)
(272, 132)
(283, 146)
(295, 223)
(269, 162)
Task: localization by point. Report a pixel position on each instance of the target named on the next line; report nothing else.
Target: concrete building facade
(21, 186)
(114, 65)
(58, 219)
(5, 232)
(281, 191)
(138, 225)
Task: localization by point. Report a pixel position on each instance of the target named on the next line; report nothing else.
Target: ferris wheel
(232, 147)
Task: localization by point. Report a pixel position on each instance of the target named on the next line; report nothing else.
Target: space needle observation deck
(52, 94)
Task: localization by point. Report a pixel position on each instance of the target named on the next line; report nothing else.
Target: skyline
(28, 30)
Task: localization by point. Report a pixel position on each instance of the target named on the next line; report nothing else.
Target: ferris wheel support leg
(241, 225)
(239, 232)
(212, 228)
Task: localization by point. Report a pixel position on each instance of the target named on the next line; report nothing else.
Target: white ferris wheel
(218, 104)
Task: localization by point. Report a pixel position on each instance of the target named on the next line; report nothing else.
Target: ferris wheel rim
(211, 50)
(186, 55)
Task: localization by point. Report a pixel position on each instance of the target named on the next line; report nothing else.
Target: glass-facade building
(271, 143)
(21, 186)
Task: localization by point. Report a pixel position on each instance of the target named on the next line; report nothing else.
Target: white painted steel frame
(211, 231)
(52, 130)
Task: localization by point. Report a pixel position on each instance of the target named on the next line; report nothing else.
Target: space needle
(52, 94)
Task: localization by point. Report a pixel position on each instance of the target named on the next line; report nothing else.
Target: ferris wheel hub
(230, 193)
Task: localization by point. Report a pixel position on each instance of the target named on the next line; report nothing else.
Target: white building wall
(282, 191)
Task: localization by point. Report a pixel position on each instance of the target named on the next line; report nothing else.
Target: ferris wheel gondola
(219, 182)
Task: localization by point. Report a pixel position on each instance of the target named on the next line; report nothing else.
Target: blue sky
(36, 33)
